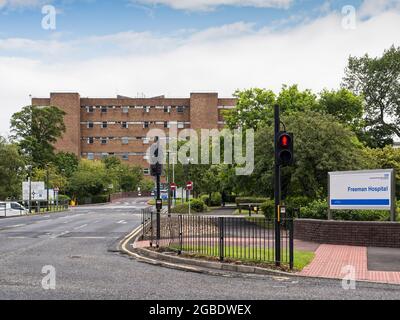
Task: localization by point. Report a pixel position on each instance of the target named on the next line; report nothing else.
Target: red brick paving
(331, 259)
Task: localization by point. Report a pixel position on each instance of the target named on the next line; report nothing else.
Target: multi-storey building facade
(97, 128)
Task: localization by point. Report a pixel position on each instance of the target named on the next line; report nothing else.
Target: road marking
(122, 222)
(77, 228)
(16, 226)
(60, 235)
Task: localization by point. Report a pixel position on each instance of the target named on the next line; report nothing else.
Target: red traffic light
(284, 141)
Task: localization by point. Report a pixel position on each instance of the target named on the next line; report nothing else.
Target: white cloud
(220, 59)
(15, 4)
(374, 7)
(204, 5)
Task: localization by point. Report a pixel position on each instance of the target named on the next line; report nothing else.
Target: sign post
(189, 187)
(362, 190)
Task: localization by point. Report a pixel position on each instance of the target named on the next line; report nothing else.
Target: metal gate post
(291, 243)
(221, 223)
(180, 235)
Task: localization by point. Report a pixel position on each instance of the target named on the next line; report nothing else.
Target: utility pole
(277, 189)
(156, 170)
(47, 187)
(169, 185)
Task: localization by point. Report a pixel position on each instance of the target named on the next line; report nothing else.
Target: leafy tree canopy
(378, 81)
(36, 129)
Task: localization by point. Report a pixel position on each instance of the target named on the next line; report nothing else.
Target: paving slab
(384, 259)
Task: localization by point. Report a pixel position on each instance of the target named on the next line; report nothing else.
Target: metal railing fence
(249, 239)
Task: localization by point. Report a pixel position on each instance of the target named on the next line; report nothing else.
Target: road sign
(173, 186)
(363, 190)
(189, 185)
(38, 191)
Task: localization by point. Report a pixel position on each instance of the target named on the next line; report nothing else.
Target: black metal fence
(248, 239)
(20, 208)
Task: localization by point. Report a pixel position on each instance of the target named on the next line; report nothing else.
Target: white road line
(77, 228)
(122, 222)
(16, 226)
(60, 235)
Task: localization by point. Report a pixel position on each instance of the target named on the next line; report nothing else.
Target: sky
(101, 48)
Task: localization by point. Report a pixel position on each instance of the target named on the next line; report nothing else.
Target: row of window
(125, 125)
(124, 140)
(124, 156)
(125, 109)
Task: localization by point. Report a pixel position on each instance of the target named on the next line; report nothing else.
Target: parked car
(10, 209)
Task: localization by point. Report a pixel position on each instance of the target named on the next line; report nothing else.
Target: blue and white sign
(360, 190)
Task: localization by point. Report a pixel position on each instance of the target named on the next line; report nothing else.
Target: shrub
(268, 208)
(63, 198)
(216, 199)
(100, 199)
(318, 209)
(297, 202)
(196, 205)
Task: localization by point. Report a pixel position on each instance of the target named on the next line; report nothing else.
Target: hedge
(196, 205)
(216, 199)
(318, 209)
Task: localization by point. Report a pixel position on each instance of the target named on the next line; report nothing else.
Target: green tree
(322, 144)
(56, 179)
(66, 163)
(12, 171)
(254, 107)
(291, 99)
(130, 178)
(378, 81)
(90, 179)
(345, 106)
(385, 158)
(36, 129)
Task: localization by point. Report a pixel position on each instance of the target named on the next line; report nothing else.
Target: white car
(12, 209)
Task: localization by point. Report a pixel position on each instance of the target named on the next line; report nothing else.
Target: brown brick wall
(370, 234)
(201, 110)
(204, 111)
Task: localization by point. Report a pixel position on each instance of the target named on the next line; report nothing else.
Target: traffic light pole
(277, 190)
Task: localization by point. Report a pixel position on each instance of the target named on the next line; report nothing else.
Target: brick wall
(370, 234)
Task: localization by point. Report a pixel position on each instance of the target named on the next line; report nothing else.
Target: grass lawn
(251, 255)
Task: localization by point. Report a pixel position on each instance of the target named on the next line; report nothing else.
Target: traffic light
(284, 150)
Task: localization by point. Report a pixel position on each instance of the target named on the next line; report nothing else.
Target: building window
(104, 155)
(125, 109)
(146, 109)
(146, 125)
(146, 171)
(104, 109)
(125, 157)
(90, 140)
(180, 109)
(166, 124)
(181, 125)
(90, 125)
(167, 109)
(90, 156)
(89, 109)
(125, 140)
(146, 141)
(124, 125)
(104, 140)
(104, 125)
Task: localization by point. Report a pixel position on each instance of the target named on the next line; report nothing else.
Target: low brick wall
(369, 234)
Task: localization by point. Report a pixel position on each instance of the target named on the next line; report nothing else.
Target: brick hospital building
(97, 128)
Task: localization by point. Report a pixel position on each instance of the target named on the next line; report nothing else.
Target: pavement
(81, 246)
(367, 264)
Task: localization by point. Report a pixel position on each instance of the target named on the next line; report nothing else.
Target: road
(77, 245)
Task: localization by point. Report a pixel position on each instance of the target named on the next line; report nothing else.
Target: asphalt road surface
(77, 245)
